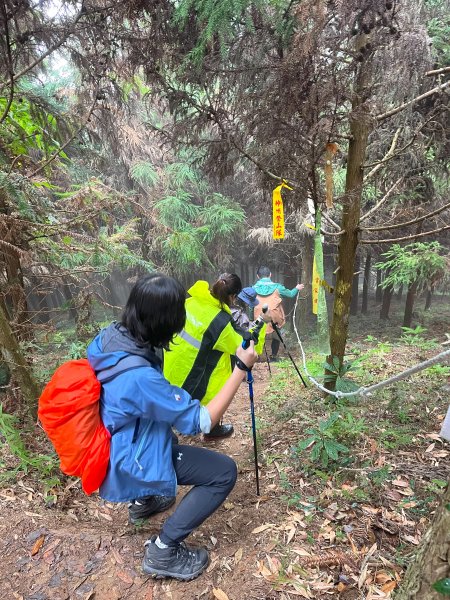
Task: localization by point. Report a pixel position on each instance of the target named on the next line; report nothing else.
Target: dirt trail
(83, 549)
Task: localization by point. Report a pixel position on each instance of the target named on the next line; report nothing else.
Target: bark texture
(409, 306)
(19, 367)
(432, 561)
(366, 284)
(359, 131)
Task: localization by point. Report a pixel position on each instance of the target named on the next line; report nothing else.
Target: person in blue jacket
(139, 407)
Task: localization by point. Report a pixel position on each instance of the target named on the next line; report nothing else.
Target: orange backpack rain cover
(69, 411)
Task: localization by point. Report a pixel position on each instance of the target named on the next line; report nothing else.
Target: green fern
(144, 173)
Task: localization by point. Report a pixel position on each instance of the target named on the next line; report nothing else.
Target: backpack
(69, 411)
(276, 309)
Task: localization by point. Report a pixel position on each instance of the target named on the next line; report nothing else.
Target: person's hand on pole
(247, 355)
(266, 316)
(299, 286)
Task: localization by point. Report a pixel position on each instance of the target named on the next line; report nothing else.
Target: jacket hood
(264, 286)
(200, 291)
(114, 343)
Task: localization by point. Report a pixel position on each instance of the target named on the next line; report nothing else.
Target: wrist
(240, 364)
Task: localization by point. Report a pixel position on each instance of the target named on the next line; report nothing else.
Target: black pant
(275, 346)
(213, 476)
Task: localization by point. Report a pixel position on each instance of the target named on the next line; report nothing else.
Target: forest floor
(342, 525)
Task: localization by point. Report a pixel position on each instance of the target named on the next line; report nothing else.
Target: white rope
(366, 391)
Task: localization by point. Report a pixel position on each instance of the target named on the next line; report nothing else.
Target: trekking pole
(277, 331)
(249, 379)
(267, 359)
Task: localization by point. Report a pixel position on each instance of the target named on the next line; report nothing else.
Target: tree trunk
(355, 288)
(386, 304)
(15, 291)
(432, 560)
(366, 284)
(304, 306)
(379, 289)
(15, 360)
(409, 306)
(428, 299)
(399, 293)
(348, 241)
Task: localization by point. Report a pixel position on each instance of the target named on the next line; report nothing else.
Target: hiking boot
(143, 508)
(219, 431)
(273, 359)
(180, 561)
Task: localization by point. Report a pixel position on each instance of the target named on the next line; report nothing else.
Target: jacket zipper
(141, 443)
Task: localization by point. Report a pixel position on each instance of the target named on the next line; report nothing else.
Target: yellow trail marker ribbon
(278, 211)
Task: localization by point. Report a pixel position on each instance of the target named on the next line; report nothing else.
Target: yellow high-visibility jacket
(199, 358)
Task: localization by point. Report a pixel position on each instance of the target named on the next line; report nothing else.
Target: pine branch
(388, 156)
(438, 71)
(413, 236)
(383, 199)
(71, 138)
(49, 51)
(398, 109)
(407, 223)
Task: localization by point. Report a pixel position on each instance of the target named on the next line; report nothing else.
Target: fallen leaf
(411, 539)
(388, 587)
(290, 534)
(117, 557)
(431, 447)
(393, 495)
(125, 577)
(220, 594)
(400, 483)
(274, 565)
(238, 556)
(440, 454)
(149, 595)
(105, 516)
(409, 504)
(301, 552)
(37, 545)
(228, 505)
(263, 527)
(299, 590)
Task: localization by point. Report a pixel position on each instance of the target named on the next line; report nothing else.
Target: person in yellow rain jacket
(199, 358)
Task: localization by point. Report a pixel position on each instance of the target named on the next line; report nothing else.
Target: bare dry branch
(398, 109)
(413, 236)
(383, 199)
(407, 223)
(388, 156)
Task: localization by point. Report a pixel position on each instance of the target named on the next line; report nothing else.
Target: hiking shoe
(219, 431)
(143, 508)
(180, 561)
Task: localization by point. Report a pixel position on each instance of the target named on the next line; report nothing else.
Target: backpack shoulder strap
(132, 361)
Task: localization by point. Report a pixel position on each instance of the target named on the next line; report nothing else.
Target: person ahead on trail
(241, 321)
(139, 407)
(199, 358)
(270, 293)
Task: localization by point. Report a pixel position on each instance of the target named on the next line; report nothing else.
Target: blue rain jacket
(139, 408)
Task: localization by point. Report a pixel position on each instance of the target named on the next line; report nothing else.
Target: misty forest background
(141, 135)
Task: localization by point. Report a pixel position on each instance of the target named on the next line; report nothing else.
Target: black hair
(263, 272)
(155, 310)
(228, 284)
